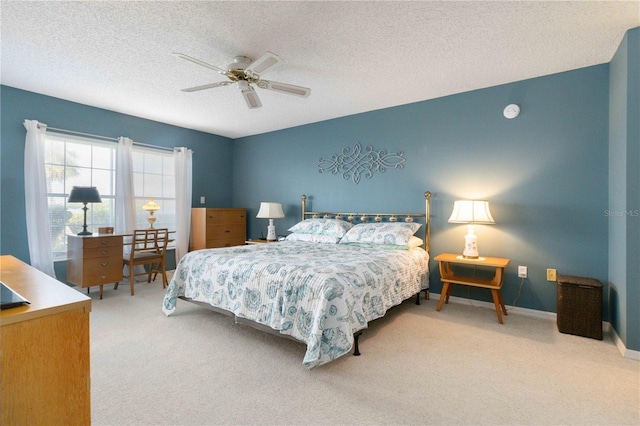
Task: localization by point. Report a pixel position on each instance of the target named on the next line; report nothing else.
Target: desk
(97, 259)
(494, 284)
(45, 355)
(94, 259)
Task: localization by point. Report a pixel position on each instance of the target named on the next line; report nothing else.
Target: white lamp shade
(270, 211)
(151, 206)
(471, 211)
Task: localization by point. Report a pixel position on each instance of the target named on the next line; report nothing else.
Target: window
(154, 177)
(76, 161)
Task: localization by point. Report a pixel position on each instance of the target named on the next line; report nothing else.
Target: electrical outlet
(201, 200)
(551, 274)
(522, 272)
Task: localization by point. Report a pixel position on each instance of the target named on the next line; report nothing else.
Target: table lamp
(270, 211)
(151, 207)
(471, 212)
(84, 194)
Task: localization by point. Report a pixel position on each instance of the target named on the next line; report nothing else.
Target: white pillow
(313, 238)
(332, 227)
(393, 233)
(415, 242)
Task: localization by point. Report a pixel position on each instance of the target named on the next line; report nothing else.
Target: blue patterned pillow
(397, 234)
(331, 227)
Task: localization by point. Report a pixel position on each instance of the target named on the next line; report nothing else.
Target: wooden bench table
(494, 284)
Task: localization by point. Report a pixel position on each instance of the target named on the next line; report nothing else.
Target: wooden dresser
(94, 259)
(45, 356)
(214, 227)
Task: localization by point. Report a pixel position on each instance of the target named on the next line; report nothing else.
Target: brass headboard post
(304, 205)
(427, 231)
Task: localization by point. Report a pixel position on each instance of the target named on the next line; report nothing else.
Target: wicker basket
(580, 306)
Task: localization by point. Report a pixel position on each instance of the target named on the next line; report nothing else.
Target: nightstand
(494, 284)
(259, 241)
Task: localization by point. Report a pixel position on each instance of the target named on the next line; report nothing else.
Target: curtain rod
(73, 132)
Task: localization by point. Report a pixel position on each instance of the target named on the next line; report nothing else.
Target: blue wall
(624, 190)
(211, 160)
(544, 173)
(547, 173)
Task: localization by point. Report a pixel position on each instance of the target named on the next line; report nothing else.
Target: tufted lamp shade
(84, 194)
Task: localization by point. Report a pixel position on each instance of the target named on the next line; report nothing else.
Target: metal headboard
(377, 217)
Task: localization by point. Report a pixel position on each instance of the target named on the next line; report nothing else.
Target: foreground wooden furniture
(148, 248)
(494, 284)
(44, 352)
(94, 260)
(217, 227)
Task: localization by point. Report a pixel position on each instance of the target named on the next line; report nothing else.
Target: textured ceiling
(355, 56)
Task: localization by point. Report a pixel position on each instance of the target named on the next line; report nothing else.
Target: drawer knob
(104, 263)
(105, 252)
(103, 242)
(103, 276)
(227, 231)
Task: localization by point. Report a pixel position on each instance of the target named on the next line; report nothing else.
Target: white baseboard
(627, 353)
(606, 326)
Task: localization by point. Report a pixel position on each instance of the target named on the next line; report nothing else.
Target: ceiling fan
(246, 73)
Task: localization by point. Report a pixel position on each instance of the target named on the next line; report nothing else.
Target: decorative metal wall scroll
(358, 163)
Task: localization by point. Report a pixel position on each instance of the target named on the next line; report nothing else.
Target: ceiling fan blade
(250, 95)
(207, 86)
(264, 62)
(199, 62)
(289, 89)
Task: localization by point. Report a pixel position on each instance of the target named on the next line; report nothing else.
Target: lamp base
(470, 244)
(84, 225)
(271, 231)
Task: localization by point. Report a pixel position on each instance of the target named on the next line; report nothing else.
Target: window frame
(64, 216)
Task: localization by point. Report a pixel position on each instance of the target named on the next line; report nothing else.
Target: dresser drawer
(225, 242)
(225, 231)
(88, 243)
(226, 216)
(97, 276)
(108, 251)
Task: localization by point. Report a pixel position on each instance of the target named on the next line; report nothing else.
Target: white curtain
(125, 197)
(36, 204)
(183, 167)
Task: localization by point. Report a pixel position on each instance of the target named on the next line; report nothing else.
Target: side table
(494, 284)
(247, 242)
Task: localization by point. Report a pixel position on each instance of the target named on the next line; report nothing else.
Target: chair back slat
(149, 240)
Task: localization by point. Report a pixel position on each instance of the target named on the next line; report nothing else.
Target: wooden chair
(148, 248)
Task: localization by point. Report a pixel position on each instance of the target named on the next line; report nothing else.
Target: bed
(321, 286)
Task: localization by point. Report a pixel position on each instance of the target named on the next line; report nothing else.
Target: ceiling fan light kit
(245, 72)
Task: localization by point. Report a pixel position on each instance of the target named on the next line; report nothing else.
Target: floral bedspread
(320, 294)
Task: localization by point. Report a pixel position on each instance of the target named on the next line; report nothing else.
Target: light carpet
(418, 366)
